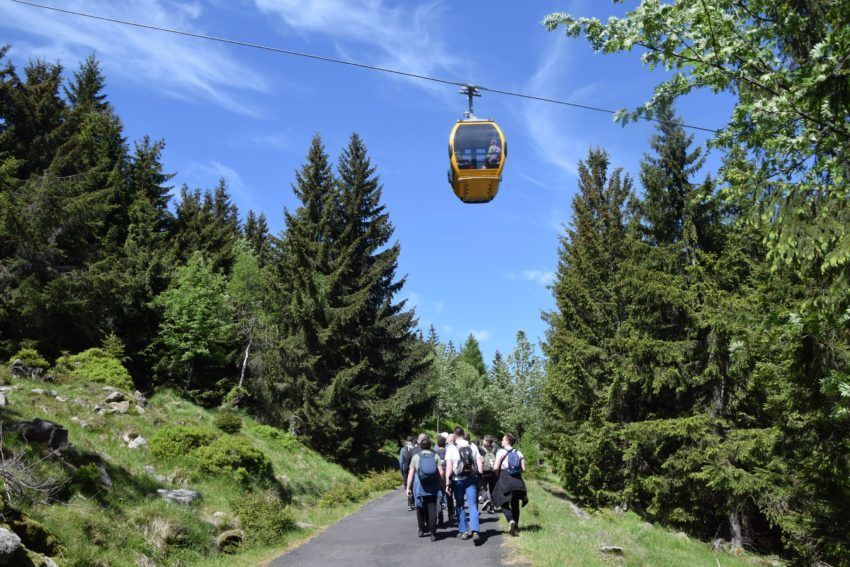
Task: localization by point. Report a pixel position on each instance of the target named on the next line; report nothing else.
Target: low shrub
(173, 441)
(263, 517)
(96, 365)
(236, 456)
(87, 478)
(228, 421)
(30, 358)
(344, 493)
(282, 439)
(234, 397)
(379, 481)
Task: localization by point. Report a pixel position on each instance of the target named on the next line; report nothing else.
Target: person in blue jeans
(463, 465)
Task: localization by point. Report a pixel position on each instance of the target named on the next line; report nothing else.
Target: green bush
(30, 358)
(344, 493)
(379, 481)
(228, 421)
(96, 365)
(234, 397)
(87, 478)
(264, 517)
(236, 456)
(174, 441)
(282, 439)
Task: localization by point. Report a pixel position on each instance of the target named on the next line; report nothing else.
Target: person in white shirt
(510, 489)
(463, 465)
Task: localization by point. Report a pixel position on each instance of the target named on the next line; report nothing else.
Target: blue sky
(248, 116)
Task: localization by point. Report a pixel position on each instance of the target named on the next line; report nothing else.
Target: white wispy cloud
(207, 174)
(282, 141)
(403, 37)
(480, 335)
(541, 277)
(548, 125)
(180, 67)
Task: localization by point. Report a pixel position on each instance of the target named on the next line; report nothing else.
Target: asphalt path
(384, 533)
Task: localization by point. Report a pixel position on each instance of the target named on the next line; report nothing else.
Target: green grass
(127, 524)
(552, 535)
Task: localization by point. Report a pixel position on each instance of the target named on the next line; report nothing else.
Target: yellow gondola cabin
(477, 152)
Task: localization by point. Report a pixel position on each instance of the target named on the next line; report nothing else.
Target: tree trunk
(245, 361)
(735, 534)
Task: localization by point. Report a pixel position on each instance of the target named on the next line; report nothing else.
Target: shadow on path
(374, 535)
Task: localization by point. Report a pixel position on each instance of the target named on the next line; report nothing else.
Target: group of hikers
(456, 476)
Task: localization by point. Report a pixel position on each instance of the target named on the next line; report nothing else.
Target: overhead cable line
(349, 63)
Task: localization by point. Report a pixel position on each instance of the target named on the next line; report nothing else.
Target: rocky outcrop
(10, 543)
(229, 541)
(180, 496)
(42, 431)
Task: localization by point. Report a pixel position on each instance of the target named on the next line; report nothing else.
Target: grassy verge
(124, 522)
(553, 535)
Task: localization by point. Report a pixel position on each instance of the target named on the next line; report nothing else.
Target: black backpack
(406, 457)
(467, 460)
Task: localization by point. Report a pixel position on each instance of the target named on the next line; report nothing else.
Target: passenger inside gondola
(477, 147)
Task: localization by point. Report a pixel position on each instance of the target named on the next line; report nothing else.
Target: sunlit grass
(552, 535)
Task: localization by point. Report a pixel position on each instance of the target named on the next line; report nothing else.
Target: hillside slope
(259, 484)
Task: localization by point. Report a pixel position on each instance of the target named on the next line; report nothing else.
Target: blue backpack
(514, 463)
(428, 474)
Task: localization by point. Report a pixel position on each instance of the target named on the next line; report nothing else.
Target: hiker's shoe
(476, 539)
(512, 528)
(463, 535)
(421, 533)
(410, 508)
(433, 536)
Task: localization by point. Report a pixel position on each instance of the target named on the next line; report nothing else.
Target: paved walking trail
(383, 533)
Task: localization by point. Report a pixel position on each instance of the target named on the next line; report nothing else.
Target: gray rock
(42, 431)
(619, 512)
(681, 535)
(108, 389)
(150, 469)
(578, 511)
(6, 388)
(138, 442)
(115, 396)
(3, 401)
(61, 399)
(9, 544)
(180, 496)
(38, 391)
(48, 562)
(613, 549)
(118, 407)
(104, 476)
(230, 540)
(52, 393)
(304, 525)
(141, 400)
(160, 479)
(140, 410)
(98, 408)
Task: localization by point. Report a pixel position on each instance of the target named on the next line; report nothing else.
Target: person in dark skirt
(510, 491)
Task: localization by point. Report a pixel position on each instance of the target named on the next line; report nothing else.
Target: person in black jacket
(510, 489)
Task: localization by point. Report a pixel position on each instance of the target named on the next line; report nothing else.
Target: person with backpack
(446, 504)
(404, 465)
(510, 489)
(424, 480)
(489, 476)
(463, 466)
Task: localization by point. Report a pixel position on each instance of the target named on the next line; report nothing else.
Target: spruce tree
(258, 237)
(355, 368)
(471, 354)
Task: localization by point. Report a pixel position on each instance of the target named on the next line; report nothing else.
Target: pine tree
(355, 368)
(471, 354)
(258, 237)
